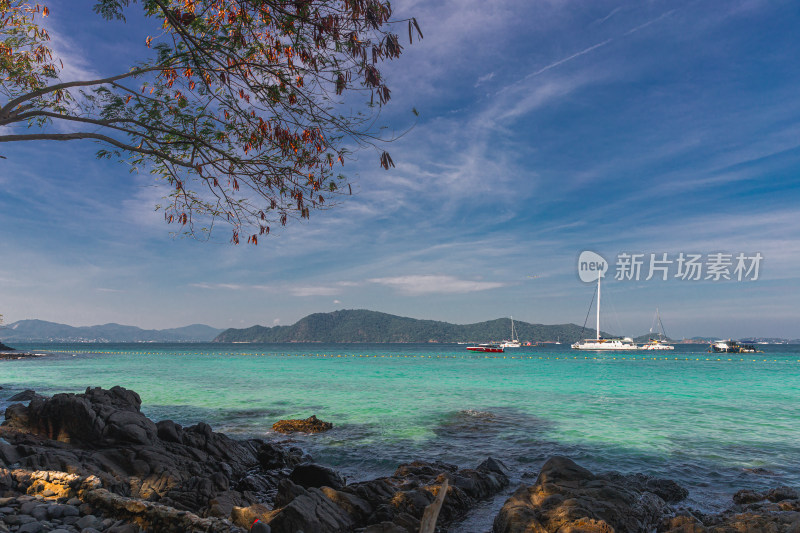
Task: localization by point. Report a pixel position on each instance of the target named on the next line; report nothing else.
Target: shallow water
(715, 423)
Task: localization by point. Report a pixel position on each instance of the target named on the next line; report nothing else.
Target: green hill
(371, 326)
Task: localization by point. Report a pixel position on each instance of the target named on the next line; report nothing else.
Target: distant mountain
(40, 330)
(371, 326)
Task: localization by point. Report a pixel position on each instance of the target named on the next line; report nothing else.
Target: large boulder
(310, 475)
(96, 418)
(569, 498)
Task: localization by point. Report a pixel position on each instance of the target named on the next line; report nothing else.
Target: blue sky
(546, 128)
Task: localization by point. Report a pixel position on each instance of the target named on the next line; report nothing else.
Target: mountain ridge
(361, 325)
(34, 330)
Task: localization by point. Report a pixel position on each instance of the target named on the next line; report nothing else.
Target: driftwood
(428, 522)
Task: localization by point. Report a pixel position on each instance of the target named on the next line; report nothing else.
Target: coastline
(97, 454)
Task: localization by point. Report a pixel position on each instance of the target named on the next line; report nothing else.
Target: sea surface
(715, 423)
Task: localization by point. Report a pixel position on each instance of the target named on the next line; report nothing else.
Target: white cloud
(431, 284)
(315, 291)
(484, 78)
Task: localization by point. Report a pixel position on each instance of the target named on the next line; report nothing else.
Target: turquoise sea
(715, 423)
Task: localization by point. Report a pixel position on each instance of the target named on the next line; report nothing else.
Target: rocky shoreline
(7, 353)
(93, 462)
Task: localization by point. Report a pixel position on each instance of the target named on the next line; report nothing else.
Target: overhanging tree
(237, 104)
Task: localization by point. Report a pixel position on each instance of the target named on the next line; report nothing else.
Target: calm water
(714, 423)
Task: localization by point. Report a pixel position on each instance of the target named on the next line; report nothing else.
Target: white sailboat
(600, 343)
(514, 342)
(660, 340)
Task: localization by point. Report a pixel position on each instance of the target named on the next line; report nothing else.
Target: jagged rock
(567, 497)
(745, 496)
(311, 510)
(782, 493)
(666, 489)
(402, 498)
(129, 472)
(309, 475)
(103, 433)
(310, 425)
(25, 396)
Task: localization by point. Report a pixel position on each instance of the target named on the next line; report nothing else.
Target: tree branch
(96, 136)
(6, 109)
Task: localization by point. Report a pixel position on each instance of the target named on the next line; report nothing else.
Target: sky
(546, 128)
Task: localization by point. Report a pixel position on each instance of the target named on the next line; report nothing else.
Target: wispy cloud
(567, 59)
(484, 78)
(293, 290)
(315, 291)
(431, 284)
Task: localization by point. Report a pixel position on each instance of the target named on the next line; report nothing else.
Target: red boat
(489, 348)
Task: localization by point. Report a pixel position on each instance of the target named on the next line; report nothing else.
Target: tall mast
(599, 275)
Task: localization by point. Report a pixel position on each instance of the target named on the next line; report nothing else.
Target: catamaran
(660, 340)
(514, 342)
(600, 343)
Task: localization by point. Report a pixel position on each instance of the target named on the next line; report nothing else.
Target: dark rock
(31, 527)
(8, 455)
(311, 512)
(169, 431)
(401, 499)
(103, 433)
(743, 497)
(126, 470)
(666, 489)
(310, 425)
(354, 506)
(313, 475)
(274, 457)
(782, 493)
(493, 465)
(288, 491)
(567, 497)
(24, 396)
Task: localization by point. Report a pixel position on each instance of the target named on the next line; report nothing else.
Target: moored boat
(731, 346)
(514, 342)
(488, 348)
(659, 342)
(600, 343)
(605, 344)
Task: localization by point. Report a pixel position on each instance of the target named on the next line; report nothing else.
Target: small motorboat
(487, 348)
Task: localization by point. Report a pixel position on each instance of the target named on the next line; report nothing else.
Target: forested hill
(371, 326)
